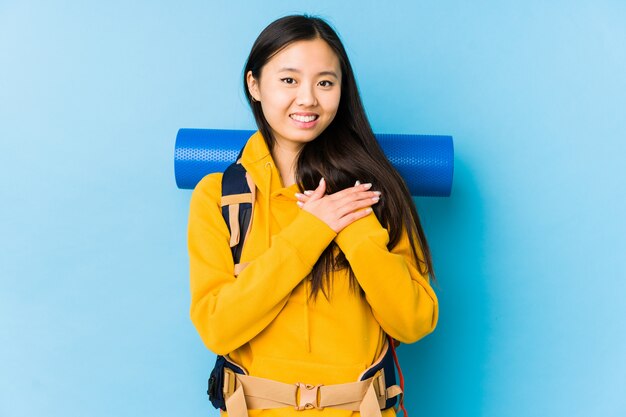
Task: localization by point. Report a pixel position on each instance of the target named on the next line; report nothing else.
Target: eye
(326, 83)
(288, 80)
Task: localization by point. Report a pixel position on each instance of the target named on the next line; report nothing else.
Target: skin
(303, 80)
(340, 209)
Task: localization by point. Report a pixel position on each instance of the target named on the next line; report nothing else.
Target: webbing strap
(345, 396)
(236, 199)
(252, 188)
(239, 267)
(394, 391)
(233, 219)
(370, 406)
(237, 203)
(236, 403)
(233, 201)
(250, 392)
(263, 393)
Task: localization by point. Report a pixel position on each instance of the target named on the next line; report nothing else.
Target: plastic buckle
(380, 387)
(308, 397)
(229, 383)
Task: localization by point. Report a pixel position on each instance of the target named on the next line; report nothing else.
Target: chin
(305, 138)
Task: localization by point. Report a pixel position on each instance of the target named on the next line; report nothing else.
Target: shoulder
(208, 191)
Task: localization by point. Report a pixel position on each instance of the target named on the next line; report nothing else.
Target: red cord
(395, 359)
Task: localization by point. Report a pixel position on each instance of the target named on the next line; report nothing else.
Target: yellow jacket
(264, 319)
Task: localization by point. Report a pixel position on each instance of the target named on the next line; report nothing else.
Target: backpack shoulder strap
(238, 192)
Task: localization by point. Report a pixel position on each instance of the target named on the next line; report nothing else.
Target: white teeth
(304, 119)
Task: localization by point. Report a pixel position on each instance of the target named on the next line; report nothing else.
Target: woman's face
(299, 89)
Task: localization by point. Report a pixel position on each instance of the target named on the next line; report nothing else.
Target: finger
(350, 190)
(319, 191)
(302, 197)
(358, 196)
(354, 206)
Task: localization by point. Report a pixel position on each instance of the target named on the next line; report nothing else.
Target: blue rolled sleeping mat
(425, 162)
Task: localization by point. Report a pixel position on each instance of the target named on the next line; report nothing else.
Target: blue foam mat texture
(426, 162)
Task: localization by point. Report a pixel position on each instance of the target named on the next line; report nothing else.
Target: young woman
(335, 260)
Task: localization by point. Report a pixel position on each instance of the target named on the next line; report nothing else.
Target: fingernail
(375, 199)
(378, 193)
(367, 186)
(368, 210)
(298, 195)
(308, 192)
(322, 180)
(299, 203)
(357, 183)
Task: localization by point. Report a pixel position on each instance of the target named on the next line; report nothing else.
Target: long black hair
(344, 152)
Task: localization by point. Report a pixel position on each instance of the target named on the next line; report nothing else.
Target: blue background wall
(530, 248)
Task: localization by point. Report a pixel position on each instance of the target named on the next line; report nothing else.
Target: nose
(306, 96)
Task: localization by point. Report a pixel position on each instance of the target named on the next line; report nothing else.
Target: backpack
(238, 194)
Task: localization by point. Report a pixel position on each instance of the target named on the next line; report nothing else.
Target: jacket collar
(258, 162)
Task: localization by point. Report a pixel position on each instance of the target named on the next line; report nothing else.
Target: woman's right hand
(340, 209)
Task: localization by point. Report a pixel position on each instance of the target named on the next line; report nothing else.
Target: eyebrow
(331, 73)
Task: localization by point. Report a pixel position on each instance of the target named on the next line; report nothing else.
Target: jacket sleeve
(401, 298)
(227, 311)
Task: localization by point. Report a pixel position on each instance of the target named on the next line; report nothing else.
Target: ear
(253, 86)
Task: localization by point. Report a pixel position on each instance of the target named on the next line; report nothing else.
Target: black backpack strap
(237, 204)
(237, 207)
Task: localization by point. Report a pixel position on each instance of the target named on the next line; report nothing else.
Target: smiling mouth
(303, 118)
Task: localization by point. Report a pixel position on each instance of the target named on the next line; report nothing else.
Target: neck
(285, 159)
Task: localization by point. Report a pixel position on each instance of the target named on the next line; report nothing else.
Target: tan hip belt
(243, 392)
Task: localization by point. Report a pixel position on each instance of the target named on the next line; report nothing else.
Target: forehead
(305, 56)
